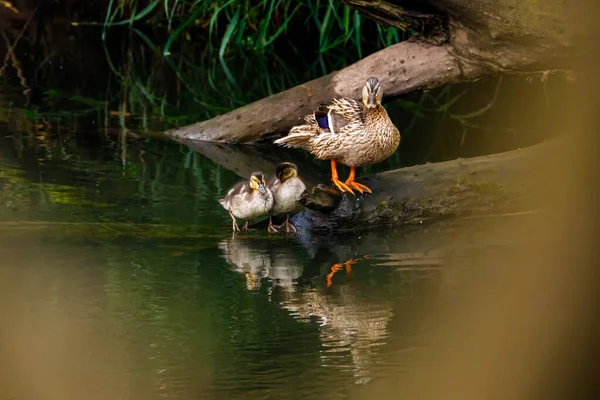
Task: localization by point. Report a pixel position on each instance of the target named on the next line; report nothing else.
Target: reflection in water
(130, 269)
(350, 323)
(247, 258)
(258, 259)
(347, 265)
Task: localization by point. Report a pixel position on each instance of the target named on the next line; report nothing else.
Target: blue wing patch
(322, 121)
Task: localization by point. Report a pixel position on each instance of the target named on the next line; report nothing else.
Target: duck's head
(372, 93)
(285, 171)
(257, 182)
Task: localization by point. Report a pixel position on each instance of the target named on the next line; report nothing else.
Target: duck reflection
(353, 316)
(259, 259)
(352, 322)
(347, 265)
(249, 257)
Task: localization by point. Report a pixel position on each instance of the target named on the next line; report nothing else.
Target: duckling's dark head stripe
(283, 166)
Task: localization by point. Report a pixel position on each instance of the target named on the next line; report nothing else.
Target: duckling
(248, 200)
(287, 187)
(348, 132)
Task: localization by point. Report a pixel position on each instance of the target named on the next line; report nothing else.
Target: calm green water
(119, 278)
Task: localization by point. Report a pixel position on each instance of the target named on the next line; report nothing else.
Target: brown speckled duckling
(248, 200)
(287, 187)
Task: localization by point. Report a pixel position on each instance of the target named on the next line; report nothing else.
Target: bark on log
(459, 40)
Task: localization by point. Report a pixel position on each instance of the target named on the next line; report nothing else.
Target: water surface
(119, 278)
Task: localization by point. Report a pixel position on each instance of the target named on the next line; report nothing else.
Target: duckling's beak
(371, 102)
(262, 189)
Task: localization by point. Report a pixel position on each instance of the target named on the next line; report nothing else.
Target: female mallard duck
(348, 132)
(287, 188)
(248, 200)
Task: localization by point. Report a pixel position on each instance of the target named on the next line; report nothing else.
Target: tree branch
(401, 68)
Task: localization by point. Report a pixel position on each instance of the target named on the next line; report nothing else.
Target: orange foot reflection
(338, 267)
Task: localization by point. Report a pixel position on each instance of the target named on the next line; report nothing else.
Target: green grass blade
(213, 19)
(146, 39)
(346, 22)
(228, 34)
(262, 30)
(357, 33)
(180, 29)
(282, 28)
(324, 28)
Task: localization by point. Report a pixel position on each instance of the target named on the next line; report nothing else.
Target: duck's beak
(262, 189)
(371, 102)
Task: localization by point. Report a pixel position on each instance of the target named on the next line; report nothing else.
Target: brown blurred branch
(10, 50)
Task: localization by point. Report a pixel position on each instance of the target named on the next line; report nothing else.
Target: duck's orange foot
(338, 184)
(349, 264)
(358, 186)
(334, 268)
(289, 227)
(341, 186)
(338, 267)
(246, 228)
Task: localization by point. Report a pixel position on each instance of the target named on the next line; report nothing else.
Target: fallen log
(497, 184)
(458, 40)
(503, 183)
(401, 68)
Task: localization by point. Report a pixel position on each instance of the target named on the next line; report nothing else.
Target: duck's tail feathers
(299, 137)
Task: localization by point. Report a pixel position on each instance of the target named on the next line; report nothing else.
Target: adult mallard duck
(348, 132)
(248, 200)
(287, 187)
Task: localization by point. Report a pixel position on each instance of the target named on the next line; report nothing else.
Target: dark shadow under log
(244, 160)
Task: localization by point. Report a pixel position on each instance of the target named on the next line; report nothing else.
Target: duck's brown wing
(349, 109)
(237, 189)
(334, 117)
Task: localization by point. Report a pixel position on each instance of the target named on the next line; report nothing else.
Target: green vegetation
(138, 67)
(178, 61)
